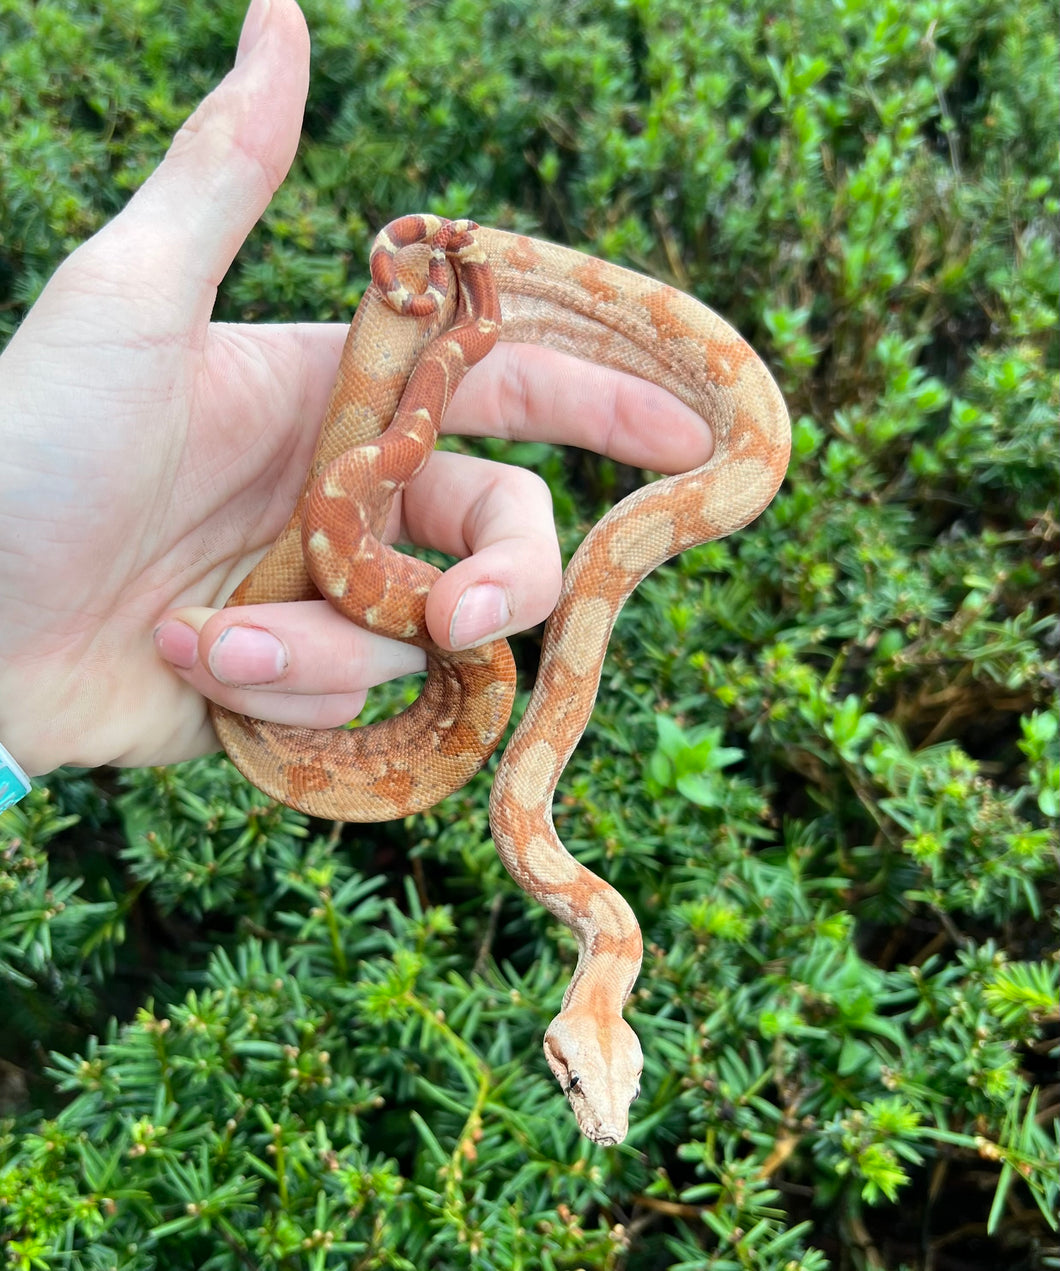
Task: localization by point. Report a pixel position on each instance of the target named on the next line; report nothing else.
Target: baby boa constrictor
(407, 348)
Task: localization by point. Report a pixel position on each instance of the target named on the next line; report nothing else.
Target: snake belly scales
(441, 293)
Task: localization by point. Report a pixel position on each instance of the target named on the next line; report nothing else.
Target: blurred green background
(824, 764)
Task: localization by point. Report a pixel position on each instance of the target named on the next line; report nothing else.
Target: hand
(149, 457)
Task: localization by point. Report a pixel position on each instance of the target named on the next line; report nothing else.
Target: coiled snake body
(408, 346)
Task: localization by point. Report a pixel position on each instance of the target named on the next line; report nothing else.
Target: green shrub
(824, 766)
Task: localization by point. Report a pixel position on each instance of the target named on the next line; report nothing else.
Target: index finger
(526, 392)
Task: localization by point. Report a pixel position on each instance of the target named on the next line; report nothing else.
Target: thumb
(182, 229)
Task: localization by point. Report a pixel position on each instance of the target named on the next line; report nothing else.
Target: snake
(442, 293)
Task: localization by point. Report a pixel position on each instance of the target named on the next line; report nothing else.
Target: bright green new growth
(824, 765)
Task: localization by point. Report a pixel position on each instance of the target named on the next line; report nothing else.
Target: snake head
(598, 1063)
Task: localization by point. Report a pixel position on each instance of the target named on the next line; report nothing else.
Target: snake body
(408, 346)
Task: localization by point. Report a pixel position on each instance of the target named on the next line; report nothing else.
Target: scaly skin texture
(409, 344)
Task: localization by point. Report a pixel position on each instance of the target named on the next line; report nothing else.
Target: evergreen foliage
(824, 768)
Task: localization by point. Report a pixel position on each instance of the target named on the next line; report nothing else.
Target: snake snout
(598, 1064)
(608, 1137)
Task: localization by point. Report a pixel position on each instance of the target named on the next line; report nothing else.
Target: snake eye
(636, 1094)
(574, 1082)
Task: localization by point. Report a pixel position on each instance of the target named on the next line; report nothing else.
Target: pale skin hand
(147, 458)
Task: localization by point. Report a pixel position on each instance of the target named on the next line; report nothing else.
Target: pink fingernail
(480, 613)
(247, 655)
(177, 643)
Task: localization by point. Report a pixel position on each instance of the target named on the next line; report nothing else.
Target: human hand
(149, 457)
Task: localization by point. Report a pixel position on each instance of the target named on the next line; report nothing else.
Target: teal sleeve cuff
(14, 784)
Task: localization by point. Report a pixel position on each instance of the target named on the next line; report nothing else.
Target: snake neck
(605, 927)
(610, 949)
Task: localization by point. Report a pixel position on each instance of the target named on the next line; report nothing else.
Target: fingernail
(247, 655)
(177, 643)
(480, 613)
(254, 24)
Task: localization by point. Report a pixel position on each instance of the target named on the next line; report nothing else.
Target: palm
(157, 465)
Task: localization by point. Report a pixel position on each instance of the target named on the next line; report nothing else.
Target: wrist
(33, 748)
